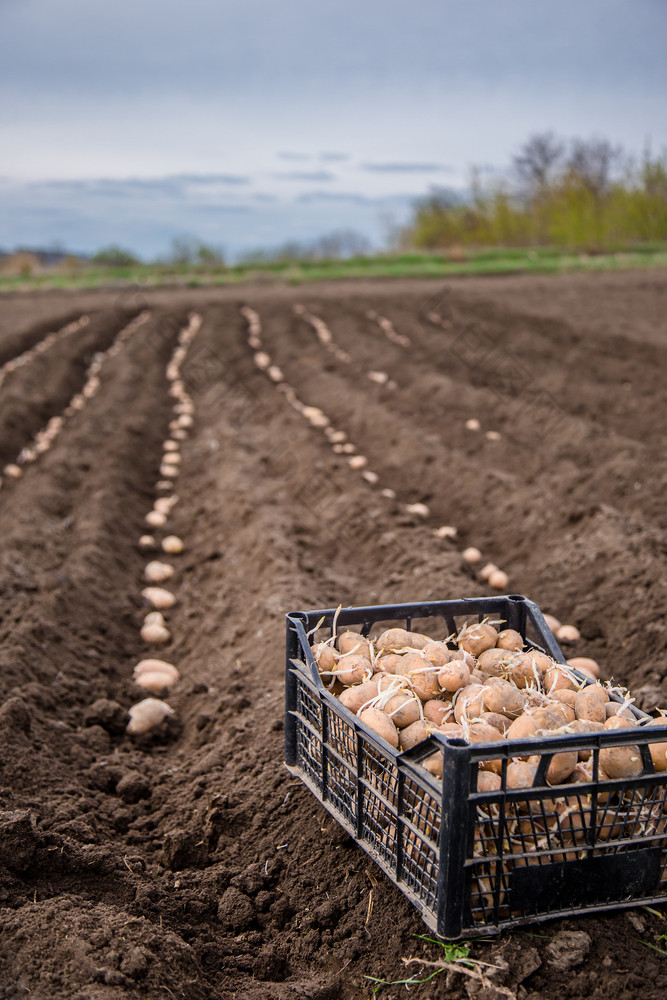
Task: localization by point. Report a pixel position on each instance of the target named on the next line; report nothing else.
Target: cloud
(173, 184)
(405, 168)
(334, 157)
(353, 198)
(214, 178)
(295, 157)
(318, 176)
(209, 210)
(349, 196)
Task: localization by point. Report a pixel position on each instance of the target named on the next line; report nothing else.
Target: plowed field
(188, 862)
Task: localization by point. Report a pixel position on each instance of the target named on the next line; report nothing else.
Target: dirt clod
(567, 949)
(18, 840)
(132, 787)
(235, 910)
(108, 714)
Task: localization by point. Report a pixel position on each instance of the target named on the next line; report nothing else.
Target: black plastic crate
(476, 862)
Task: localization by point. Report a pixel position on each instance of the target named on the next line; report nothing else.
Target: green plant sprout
(661, 948)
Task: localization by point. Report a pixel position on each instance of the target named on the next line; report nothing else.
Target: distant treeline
(191, 252)
(584, 194)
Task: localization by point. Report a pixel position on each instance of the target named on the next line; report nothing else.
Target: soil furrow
(42, 388)
(188, 862)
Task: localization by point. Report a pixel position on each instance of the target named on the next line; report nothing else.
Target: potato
(352, 669)
(172, 544)
(156, 681)
(158, 572)
(324, 657)
(403, 709)
(561, 767)
(617, 708)
(155, 634)
(590, 703)
(503, 698)
(584, 726)
(154, 618)
(552, 716)
(469, 702)
(152, 665)
(567, 711)
(158, 597)
(358, 695)
(488, 781)
(523, 671)
(380, 723)
(415, 733)
(559, 677)
(621, 762)
(437, 711)
(585, 665)
(498, 579)
(461, 654)
(436, 653)
(565, 696)
(486, 570)
(452, 730)
(477, 637)
(434, 764)
(499, 722)
(618, 721)
(482, 732)
(658, 750)
(164, 505)
(453, 676)
(573, 818)
(522, 728)
(510, 639)
(399, 638)
(155, 518)
(494, 662)
(541, 661)
(423, 677)
(520, 774)
(352, 642)
(390, 662)
(146, 715)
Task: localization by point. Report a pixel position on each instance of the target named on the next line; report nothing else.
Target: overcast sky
(249, 122)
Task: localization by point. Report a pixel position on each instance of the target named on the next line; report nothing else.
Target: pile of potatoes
(482, 686)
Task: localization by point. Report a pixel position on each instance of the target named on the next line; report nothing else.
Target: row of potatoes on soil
(46, 436)
(150, 673)
(481, 686)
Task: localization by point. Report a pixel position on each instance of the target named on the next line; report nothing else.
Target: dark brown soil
(189, 863)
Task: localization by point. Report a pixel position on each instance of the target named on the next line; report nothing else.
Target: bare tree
(592, 162)
(535, 161)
